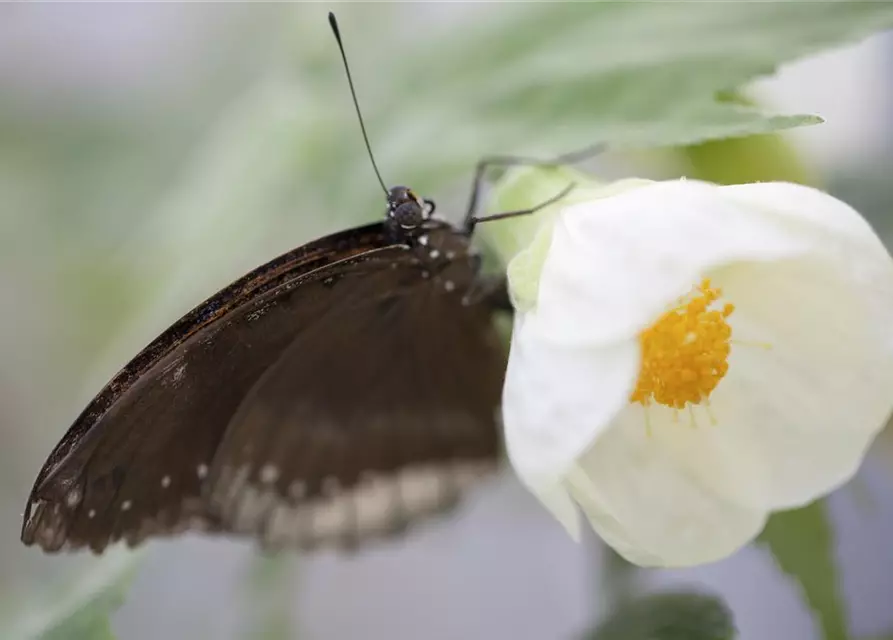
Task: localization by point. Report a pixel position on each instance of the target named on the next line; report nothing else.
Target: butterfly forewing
(267, 385)
(312, 256)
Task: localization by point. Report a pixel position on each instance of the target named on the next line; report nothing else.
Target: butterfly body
(332, 395)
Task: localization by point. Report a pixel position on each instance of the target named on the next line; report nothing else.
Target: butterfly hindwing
(334, 445)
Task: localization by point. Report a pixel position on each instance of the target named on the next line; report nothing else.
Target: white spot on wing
(419, 488)
(165, 482)
(269, 473)
(285, 527)
(374, 500)
(377, 505)
(201, 470)
(125, 506)
(331, 518)
(73, 498)
(253, 506)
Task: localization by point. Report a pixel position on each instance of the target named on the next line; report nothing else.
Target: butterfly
(337, 394)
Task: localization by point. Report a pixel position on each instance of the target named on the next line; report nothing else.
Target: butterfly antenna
(334, 24)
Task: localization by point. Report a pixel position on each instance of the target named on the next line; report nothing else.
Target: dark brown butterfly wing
(169, 404)
(337, 445)
(138, 460)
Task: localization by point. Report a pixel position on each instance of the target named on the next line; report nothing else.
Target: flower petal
(648, 508)
(557, 500)
(811, 404)
(837, 234)
(794, 417)
(796, 205)
(615, 263)
(730, 463)
(806, 274)
(557, 399)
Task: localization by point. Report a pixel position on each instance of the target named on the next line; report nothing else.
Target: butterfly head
(407, 209)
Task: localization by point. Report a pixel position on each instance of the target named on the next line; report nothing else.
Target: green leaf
(550, 77)
(90, 623)
(80, 610)
(758, 158)
(669, 616)
(283, 164)
(802, 544)
(743, 160)
(269, 597)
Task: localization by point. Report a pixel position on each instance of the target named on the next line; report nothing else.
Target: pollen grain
(685, 353)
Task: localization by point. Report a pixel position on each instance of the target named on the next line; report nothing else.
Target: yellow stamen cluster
(685, 353)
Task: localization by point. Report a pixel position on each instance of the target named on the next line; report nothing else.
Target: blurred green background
(151, 153)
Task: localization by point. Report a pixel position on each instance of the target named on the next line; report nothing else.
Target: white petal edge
(837, 234)
(557, 500)
(648, 508)
(797, 204)
(556, 400)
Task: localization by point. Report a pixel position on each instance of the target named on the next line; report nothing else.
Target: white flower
(687, 358)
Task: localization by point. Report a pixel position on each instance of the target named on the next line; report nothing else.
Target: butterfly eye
(409, 215)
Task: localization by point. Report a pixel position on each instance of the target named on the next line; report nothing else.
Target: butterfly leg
(511, 161)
